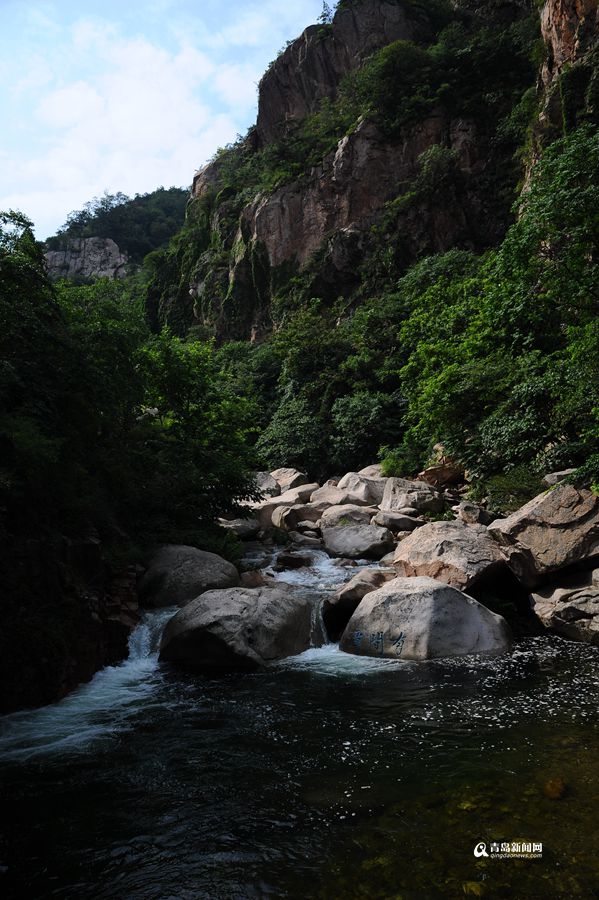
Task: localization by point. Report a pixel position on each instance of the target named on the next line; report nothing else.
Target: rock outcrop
(86, 258)
(420, 618)
(570, 30)
(557, 529)
(177, 574)
(238, 629)
(311, 67)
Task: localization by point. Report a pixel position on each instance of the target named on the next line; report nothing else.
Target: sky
(123, 95)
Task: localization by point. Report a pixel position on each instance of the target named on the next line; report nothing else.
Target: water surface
(327, 776)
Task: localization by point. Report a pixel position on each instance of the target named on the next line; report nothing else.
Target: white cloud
(127, 107)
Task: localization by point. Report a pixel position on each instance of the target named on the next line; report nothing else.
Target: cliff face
(85, 258)
(322, 221)
(312, 66)
(570, 30)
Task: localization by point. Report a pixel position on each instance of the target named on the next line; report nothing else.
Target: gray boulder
(177, 574)
(289, 518)
(244, 529)
(288, 478)
(570, 607)
(400, 493)
(266, 484)
(369, 489)
(374, 471)
(240, 628)
(338, 609)
(555, 530)
(92, 257)
(458, 554)
(293, 497)
(553, 478)
(420, 618)
(347, 514)
(396, 521)
(472, 514)
(357, 541)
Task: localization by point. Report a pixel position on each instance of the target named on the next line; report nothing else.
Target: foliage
(102, 422)
(137, 224)
(493, 354)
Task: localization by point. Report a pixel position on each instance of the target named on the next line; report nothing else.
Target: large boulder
(338, 609)
(347, 514)
(240, 628)
(266, 484)
(400, 493)
(553, 478)
(289, 517)
(570, 607)
(177, 574)
(289, 478)
(353, 489)
(374, 471)
(396, 520)
(293, 497)
(357, 541)
(555, 530)
(244, 529)
(458, 554)
(420, 618)
(369, 489)
(472, 514)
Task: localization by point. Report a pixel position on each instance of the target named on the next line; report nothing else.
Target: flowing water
(326, 776)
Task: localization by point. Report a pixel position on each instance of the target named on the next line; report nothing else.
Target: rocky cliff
(311, 67)
(440, 171)
(85, 258)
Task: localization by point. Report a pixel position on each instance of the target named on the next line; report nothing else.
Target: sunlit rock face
(311, 67)
(85, 258)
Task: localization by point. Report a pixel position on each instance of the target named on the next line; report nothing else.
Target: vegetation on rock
(137, 224)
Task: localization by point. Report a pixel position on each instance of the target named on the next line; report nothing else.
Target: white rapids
(94, 710)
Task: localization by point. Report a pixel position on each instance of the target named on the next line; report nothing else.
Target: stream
(326, 776)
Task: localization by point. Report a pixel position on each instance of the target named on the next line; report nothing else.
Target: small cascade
(97, 709)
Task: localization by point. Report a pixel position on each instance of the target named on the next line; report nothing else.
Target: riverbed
(326, 776)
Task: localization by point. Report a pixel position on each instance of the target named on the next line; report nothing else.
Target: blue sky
(126, 96)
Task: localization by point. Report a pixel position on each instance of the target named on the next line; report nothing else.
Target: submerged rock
(458, 554)
(420, 618)
(177, 574)
(239, 628)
